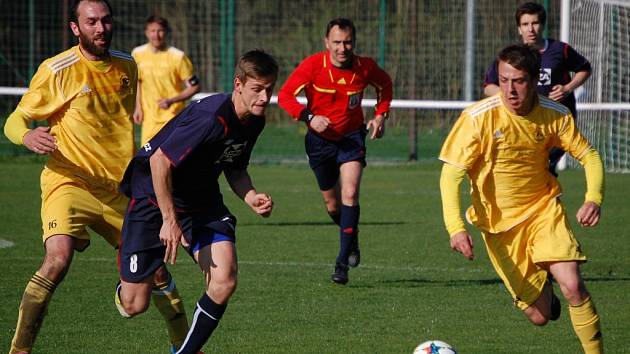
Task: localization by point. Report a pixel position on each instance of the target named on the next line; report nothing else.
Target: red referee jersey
(334, 92)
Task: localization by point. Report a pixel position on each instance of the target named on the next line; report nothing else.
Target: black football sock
(347, 231)
(335, 217)
(205, 319)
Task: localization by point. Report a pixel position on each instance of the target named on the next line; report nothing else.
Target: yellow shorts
(150, 127)
(70, 205)
(519, 255)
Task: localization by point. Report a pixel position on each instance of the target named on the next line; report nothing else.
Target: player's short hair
(256, 64)
(522, 57)
(160, 21)
(531, 8)
(74, 14)
(343, 24)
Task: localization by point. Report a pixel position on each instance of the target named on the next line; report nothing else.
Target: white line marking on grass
(301, 264)
(6, 244)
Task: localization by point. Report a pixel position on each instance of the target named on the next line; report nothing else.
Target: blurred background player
(502, 143)
(173, 183)
(334, 81)
(87, 94)
(559, 60)
(166, 79)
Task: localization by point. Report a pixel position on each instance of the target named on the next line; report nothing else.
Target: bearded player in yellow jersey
(502, 143)
(166, 79)
(87, 94)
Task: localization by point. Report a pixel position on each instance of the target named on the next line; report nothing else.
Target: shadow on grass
(608, 278)
(419, 282)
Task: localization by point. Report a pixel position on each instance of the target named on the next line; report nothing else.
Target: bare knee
(574, 291)
(133, 304)
(538, 319)
(221, 290)
(537, 316)
(350, 195)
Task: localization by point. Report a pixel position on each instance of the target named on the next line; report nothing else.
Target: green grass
(283, 140)
(409, 288)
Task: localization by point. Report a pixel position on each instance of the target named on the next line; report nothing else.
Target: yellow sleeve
(570, 138)
(16, 126)
(450, 179)
(594, 170)
(137, 58)
(462, 146)
(44, 96)
(185, 69)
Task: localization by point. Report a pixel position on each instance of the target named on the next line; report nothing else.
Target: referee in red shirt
(333, 82)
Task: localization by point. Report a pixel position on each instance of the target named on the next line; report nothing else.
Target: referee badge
(353, 101)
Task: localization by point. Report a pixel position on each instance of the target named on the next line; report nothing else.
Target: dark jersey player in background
(175, 196)
(334, 81)
(559, 60)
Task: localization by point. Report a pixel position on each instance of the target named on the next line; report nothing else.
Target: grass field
(409, 288)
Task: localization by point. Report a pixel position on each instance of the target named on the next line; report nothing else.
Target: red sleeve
(381, 81)
(296, 82)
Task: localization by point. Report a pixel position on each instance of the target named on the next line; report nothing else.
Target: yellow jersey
(506, 158)
(89, 107)
(162, 74)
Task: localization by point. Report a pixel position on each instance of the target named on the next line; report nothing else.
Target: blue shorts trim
(202, 242)
(142, 253)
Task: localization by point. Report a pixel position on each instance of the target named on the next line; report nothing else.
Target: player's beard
(88, 44)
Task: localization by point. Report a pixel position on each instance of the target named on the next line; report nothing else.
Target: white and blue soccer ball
(434, 347)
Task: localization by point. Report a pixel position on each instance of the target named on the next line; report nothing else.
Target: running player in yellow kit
(166, 79)
(502, 143)
(87, 94)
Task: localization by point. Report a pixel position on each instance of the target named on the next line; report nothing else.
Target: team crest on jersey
(354, 101)
(539, 136)
(544, 77)
(125, 82)
(232, 152)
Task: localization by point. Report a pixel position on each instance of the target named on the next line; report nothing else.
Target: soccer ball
(434, 347)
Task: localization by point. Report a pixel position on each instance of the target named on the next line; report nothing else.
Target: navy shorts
(141, 253)
(325, 156)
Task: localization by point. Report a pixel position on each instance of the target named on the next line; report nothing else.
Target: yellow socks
(33, 307)
(166, 298)
(586, 324)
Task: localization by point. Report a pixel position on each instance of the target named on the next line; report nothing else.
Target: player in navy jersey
(175, 196)
(559, 60)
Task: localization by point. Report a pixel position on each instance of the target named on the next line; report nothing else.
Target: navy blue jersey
(558, 61)
(201, 142)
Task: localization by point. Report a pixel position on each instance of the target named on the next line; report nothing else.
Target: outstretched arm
(450, 179)
(241, 184)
